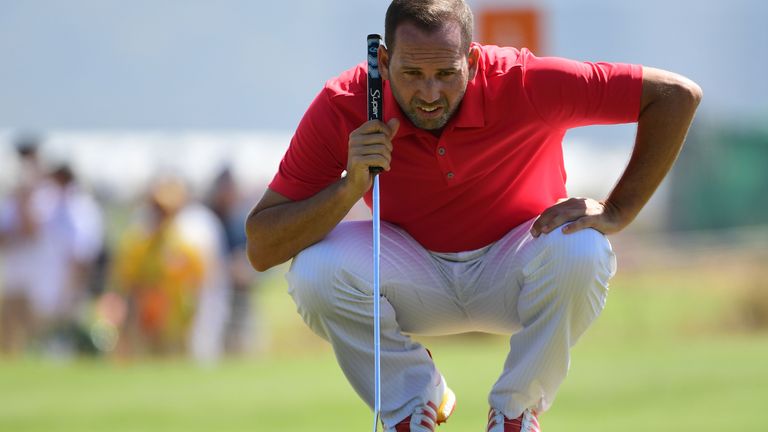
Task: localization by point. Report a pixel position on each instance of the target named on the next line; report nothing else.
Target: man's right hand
(370, 145)
(278, 228)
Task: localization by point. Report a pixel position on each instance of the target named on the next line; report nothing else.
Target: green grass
(666, 355)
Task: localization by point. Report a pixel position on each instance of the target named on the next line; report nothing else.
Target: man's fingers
(570, 225)
(377, 126)
(549, 220)
(365, 154)
(543, 225)
(567, 210)
(376, 160)
(371, 149)
(536, 227)
(578, 225)
(369, 155)
(374, 138)
(375, 132)
(370, 145)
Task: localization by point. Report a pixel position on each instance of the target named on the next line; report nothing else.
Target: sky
(249, 65)
(167, 64)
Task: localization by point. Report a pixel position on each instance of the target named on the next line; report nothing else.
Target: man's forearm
(661, 130)
(277, 233)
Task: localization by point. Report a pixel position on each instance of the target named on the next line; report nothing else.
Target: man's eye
(412, 73)
(446, 73)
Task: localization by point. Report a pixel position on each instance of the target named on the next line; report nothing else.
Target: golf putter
(375, 111)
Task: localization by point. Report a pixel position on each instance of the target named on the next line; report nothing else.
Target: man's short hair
(428, 15)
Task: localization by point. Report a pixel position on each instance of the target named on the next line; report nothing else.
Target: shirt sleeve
(317, 154)
(568, 93)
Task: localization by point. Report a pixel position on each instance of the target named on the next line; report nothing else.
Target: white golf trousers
(543, 291)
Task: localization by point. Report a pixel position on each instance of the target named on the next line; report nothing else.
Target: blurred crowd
(172, 281)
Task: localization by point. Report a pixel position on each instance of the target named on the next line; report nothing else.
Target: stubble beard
(410, 110)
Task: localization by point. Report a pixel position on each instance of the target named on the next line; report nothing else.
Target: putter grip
(375, 105)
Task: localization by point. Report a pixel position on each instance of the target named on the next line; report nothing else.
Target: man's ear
(472, 59)
(383, 56)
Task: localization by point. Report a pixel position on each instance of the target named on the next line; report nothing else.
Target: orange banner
(511, 27)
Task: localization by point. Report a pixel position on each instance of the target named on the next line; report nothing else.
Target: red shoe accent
(516, 424)
(428, 419)
(404, 426)
(431, 414)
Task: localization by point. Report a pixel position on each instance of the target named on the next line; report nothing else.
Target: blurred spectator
(202, 227)
(51, 231)
(243, 334)
(17, 227)
(167, 266)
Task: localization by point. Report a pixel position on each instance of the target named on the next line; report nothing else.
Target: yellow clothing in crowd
(162, 273)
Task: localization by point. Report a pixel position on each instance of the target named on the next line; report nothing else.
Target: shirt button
(449, 175)
(441, 151)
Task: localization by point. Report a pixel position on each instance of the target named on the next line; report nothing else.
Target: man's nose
(430, 90)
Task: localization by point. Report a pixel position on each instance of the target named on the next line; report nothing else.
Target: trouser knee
(572, 272)
(583, 256)
(330, 278)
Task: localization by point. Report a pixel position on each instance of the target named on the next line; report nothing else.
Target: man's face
(428, 73)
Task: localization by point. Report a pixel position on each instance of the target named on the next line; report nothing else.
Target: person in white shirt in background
(51, 232)
(17, 226)
(202, 228)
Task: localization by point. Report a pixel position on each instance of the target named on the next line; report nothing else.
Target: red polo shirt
(498, 161)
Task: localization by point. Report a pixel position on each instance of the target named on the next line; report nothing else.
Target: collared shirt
(497, 163)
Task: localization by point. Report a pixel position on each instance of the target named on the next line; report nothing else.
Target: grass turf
(666, 355)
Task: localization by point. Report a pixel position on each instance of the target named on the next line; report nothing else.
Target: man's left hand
(581, 213)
